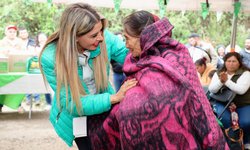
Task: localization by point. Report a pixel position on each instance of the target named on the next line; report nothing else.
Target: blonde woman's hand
(122, 91)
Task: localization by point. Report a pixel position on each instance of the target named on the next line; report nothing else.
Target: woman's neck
(230, 72)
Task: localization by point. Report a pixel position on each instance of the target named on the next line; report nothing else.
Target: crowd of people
(230, 69)
(17, 39)
(159, 83)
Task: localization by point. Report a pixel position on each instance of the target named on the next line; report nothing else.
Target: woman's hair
(201, 61)
(137, 21)
(77, 20)
(237, 56)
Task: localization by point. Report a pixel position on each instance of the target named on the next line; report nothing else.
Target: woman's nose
(100, 37)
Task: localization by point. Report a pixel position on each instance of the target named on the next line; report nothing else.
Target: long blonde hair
(77, 20)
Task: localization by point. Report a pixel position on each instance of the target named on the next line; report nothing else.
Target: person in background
(221, 53)
(75, 62)
(118, 75)
(41, 39)
(10, 42)
(245, 53)
(196, 53)
(203, 70)
(235, 76)
(27, 43)
(168, 108)
(200, 49)
(237, 48)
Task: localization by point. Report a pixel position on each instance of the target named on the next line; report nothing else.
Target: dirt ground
(18, 132)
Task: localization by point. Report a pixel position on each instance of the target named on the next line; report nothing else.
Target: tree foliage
(41, 17)
(36, 17)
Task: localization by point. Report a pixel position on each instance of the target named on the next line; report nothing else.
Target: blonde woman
(75, 62)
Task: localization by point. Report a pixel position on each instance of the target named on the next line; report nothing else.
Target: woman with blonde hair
(75, 62)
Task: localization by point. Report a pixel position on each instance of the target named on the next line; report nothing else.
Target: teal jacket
(92, 104)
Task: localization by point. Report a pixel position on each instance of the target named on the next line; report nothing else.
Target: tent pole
(234, 33)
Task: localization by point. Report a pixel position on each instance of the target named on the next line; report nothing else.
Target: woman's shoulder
(48, 54)
(109, 36)
(50, 47)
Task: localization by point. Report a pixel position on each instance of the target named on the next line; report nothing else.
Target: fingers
(130, 83)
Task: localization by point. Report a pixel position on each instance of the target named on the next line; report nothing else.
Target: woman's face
(91, 40)
(200, 69)
(133, 44)
(232, 64)
(221, 51)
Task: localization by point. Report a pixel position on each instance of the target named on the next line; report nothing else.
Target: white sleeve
(242, 84)
(215, 84)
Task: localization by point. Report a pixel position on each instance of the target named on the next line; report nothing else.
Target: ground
(18, 132)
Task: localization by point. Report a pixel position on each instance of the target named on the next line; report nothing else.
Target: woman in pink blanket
(168, 108)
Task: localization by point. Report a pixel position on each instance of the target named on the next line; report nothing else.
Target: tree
(41, 17)
(36, 17)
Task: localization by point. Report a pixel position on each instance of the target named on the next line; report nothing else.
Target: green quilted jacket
(92, 104)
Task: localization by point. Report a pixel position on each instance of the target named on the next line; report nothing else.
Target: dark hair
(237, 56)
(21, 28)
(193, 35)
(219, 46)
(137, 21)
(201, 61)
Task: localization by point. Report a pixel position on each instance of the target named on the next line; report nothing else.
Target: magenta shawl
(168, 108)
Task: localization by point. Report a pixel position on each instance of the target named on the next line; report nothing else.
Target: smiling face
(221, 51)
(133, 44)
(91, 40)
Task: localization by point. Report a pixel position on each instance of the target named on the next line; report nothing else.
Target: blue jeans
(118, 79)
(36, 97)
(48, 98)
(244, 121)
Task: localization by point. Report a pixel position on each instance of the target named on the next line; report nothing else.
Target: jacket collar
(96, 52)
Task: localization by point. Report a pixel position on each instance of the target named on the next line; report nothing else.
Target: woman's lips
(96, 44)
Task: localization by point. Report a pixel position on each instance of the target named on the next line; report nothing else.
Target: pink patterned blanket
(168, 108)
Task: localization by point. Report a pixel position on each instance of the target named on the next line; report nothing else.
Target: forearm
(215, 84)
(242, 84)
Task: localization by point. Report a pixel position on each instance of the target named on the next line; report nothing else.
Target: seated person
(204, 69)
(236, 77)
(168, 108)
(221, 50)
